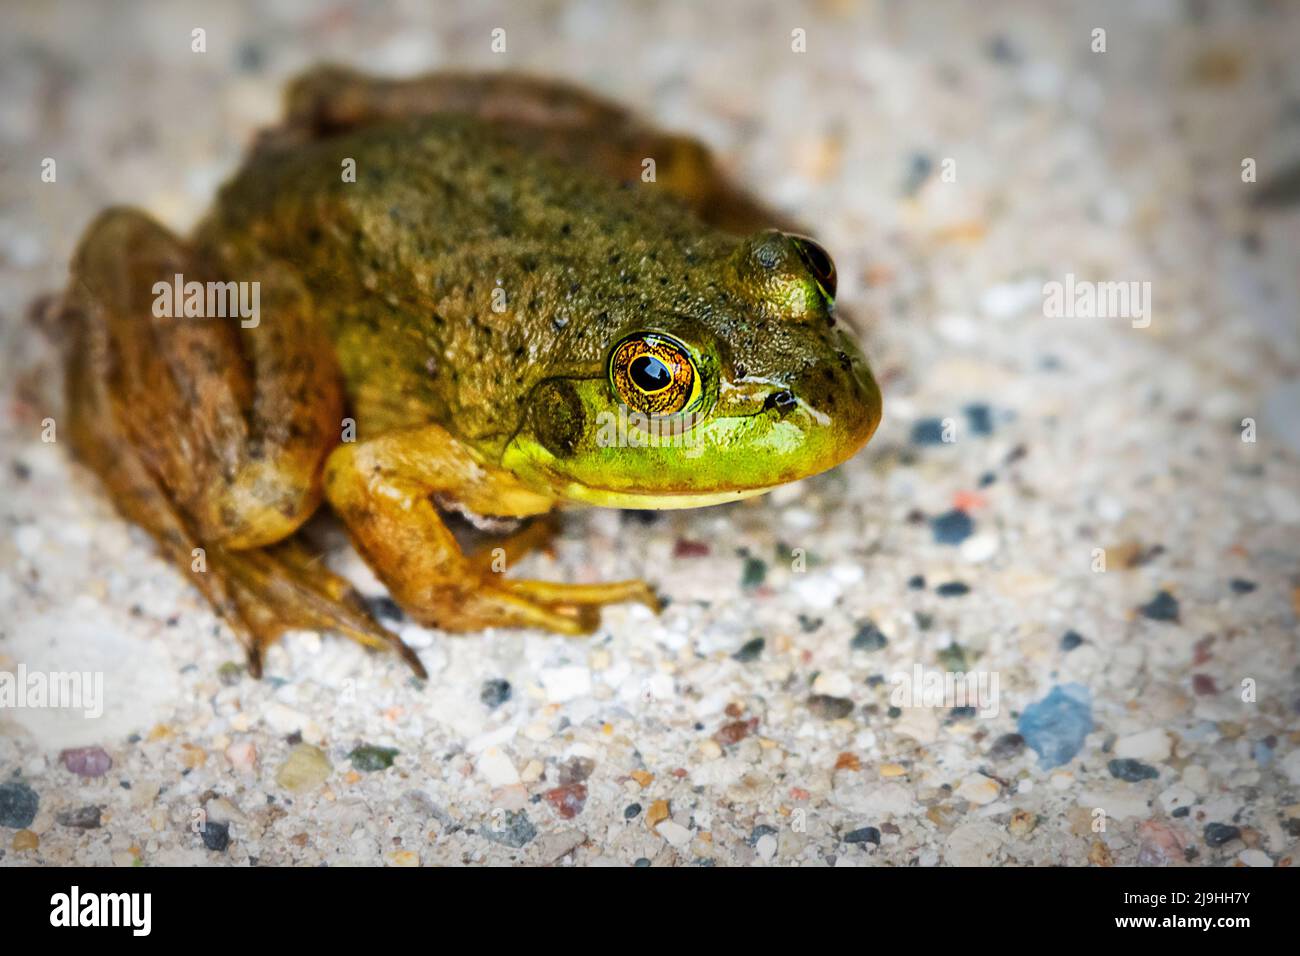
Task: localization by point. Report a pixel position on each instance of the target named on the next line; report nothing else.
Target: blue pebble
(952, 527)
(928, 431)
(1263, 753)
(1056, 726)
(980, 418)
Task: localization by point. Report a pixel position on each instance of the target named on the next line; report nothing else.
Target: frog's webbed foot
(382, 489)
(218, 463)
(543, 115)
(284, 587)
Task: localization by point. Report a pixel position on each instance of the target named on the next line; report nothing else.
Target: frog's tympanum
(483, 293)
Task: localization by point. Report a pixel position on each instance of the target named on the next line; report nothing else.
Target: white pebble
(674, 833)
(1151, 745)
(564, 684)
(497, 769)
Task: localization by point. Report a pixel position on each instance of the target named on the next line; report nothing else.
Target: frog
(491, 294)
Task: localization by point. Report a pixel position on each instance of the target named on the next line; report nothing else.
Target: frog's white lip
(608, 498)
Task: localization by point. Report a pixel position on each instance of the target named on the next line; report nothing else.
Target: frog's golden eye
(654, 374)
(819, 263)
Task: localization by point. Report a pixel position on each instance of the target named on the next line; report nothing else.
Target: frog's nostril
(783, 401)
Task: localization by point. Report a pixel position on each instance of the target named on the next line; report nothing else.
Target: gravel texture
(1146, 713)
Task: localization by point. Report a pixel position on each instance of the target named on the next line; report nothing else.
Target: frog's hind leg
(218, 464)
(545, 115)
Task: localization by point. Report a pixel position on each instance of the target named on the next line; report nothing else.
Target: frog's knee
(258, 508)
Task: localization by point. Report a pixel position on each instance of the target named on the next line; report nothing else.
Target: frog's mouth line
(657, 501)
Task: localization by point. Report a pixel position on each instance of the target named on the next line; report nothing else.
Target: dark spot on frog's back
(558, 418)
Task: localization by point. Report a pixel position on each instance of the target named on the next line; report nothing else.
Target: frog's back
(447, 269)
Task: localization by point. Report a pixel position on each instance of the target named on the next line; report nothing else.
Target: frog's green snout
(835, 404)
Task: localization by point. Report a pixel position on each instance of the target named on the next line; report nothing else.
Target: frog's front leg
(383, 489)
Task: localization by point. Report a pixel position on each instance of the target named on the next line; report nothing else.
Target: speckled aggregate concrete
(954, 159)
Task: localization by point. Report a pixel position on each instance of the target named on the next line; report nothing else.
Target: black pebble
(216, 836)
(1007, 746)
(928, 431)
(1217, 834)
(750, 651)
(952, 527)
(1241, 585)
(1132, 770)
(18, 805)
(916, 582)
(1162, 607)
(495, 692)
(1070, 640)
(868, 638)
(631, 810)
(952, 589)
(863, 835)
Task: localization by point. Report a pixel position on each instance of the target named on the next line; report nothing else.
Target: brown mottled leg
(208, 435)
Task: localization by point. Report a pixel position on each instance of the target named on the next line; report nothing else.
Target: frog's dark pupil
(649, 373)
(820, 263)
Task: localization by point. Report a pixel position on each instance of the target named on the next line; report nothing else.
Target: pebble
(25, 840)
(1022, 823)
(511, 828)
(1070, 640)
(1162, 607)
(750, 651)
(952, 589)
(18, 805)
(304, 769)
(657, 813)
(978, 789)
(928, 431)
(863, 835)
(833, 684)
(242, 755)
(563, 684)
(765, 846)
(1151, 745)
(1055, 727)
(494, 692)
(952, 527)
(1131, 770)
(868, 638)
(1255, 858)
(216, 836)
(1217, 834)
(1007, 747)
(1159, 845)
(829, 708)
(497, 768)
(980, 547)
(82, 818)
(368, 758)
(86, 761)
(1290, 766)
(568, 800)
(676, 834)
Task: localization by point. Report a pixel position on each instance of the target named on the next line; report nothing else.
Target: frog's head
(742, 384)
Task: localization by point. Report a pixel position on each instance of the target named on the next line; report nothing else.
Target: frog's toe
(284, 588)
(587, 596)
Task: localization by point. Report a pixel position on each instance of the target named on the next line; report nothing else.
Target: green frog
(485, 293)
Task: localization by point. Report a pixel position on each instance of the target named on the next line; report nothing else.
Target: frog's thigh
(546, 115)
(383, 491)
(234, 422)
(166, 411)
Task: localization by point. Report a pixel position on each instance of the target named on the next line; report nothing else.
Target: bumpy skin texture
(461, 302)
